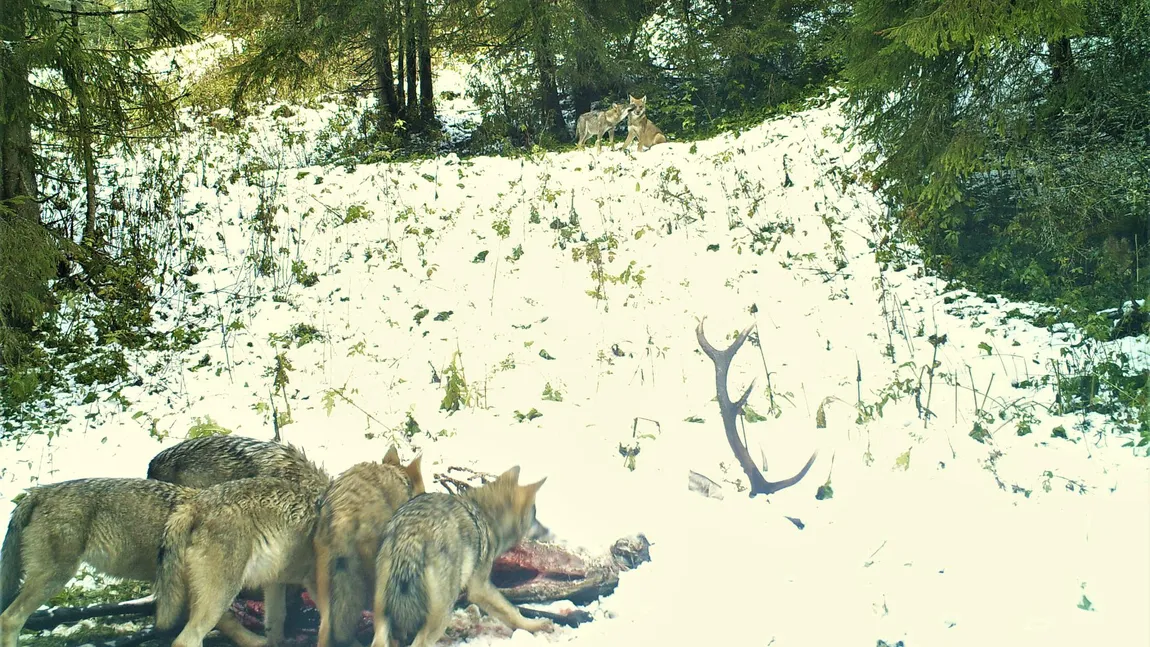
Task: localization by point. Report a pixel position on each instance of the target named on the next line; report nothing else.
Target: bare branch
(109, 12)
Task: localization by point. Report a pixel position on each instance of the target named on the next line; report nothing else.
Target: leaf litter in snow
(380, 286)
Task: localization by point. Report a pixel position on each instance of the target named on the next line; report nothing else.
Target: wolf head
(510, 509)
(618, 110)
(637, 107)
(412, 469)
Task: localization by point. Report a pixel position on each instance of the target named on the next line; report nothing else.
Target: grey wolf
(438, 545)
(210, 460)
(252, 532)
(114, 525)
(353, 514)
(641, 128)
(597, 122)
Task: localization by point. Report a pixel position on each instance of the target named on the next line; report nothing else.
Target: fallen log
(56, 616)
(130, 640)
(532, 572)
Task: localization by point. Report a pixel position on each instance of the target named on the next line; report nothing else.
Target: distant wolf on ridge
(437, 545)
(211, 460)
(598, 122)
(638, 126)
(247, 533)
(115, 525)
(352, 517)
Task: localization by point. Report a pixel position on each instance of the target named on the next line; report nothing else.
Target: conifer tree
(1010, 138)
(94, 91)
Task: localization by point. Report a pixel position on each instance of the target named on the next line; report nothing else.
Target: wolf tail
(406, 590)
(12, 554)
(171, 590)
(347, 590)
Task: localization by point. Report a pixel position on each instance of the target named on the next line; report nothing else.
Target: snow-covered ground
(931, 537)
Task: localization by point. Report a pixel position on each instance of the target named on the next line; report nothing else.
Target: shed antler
(731, 410)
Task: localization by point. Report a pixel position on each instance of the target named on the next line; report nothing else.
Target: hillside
(570, 285)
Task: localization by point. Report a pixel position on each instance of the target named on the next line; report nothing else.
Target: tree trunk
(387, 102)
(85, 143)
(1061, 59)
(409, 36)
(423, 32)
(400, 59)
(545, 63)
(17, 162)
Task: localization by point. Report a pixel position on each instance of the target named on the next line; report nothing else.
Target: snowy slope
(931, 537)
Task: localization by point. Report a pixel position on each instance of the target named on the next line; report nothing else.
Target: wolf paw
(540, 624)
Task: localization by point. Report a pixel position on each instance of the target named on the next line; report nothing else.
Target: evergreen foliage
(77, 261)
(1011, 140)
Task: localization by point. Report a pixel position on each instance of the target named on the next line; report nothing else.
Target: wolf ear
(392, 456)
(510, 476)
(633, 99)
(415, 475)
(644, 99)
(533, 488)
(525, 496)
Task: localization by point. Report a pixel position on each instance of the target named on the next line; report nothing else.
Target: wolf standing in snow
(352, 517)
(439, 544)
(211, 460)
(641, 128)
(114, 525)
(598, 122)
(251, 532)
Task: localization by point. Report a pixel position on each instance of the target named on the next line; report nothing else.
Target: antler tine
(786, 483)
(742, 401)
(706, 345)
(731, 410)
(726, 354)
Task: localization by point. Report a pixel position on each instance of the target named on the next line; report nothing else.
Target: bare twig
(986, 393)
(858, 379)
(766, 371)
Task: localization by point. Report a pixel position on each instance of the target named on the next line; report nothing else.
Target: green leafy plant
(552, 394)
(526, 417)
(456, 392)
(206, 427)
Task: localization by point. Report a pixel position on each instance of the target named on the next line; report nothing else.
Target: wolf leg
(275, 612)
(382, 636)
(322, 591)
(483, 593)
(39, 585)
(214, 579)
(439, 606)
(230, 626)
(630, 136)
(209, 607)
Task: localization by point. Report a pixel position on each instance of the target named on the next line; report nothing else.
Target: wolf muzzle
(539, 532)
